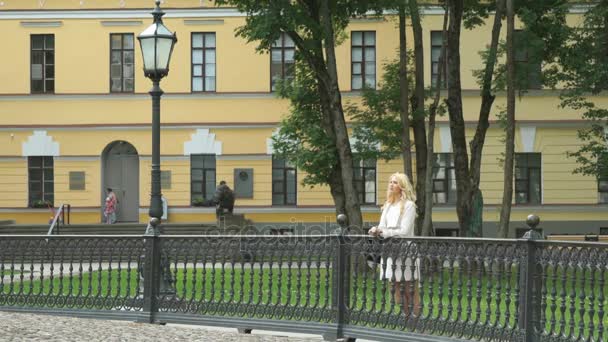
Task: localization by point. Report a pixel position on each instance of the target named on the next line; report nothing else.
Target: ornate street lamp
(156, 46)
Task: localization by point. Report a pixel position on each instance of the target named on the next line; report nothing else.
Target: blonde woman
(397, 220)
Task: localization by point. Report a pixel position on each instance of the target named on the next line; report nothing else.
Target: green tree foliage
(470, 14)
(542, 29)
(267, 19)
(377, 125)
(539, 40)
(314, 26)
(301, 138)
(583, 75)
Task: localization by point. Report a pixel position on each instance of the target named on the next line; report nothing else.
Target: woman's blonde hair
(407, 191)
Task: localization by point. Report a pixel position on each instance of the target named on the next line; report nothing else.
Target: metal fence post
(340, 280)
(151, 271)
(529, 308)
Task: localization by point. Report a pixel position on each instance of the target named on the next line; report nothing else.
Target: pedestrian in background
(223, 199)
(110, 206)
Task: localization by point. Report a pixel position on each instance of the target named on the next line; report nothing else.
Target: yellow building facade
(75, 118)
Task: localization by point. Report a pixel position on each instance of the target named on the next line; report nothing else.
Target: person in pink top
(110, 207)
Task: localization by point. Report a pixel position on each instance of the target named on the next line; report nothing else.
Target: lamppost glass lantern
(157, 43)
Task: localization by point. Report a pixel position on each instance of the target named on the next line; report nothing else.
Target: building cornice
(141, 126)
(118, 14)
(134, 96)
(248, 125)
(185, 13)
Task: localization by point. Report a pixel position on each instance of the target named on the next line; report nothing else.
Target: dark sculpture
(223, 199)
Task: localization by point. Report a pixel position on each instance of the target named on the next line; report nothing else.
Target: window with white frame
(602, 179)
(365, 180)
(282, 60)
(444, 179)
(527, 70)
(363, 59)
(528, 178)
(436, 45)
(203, 62)
(284, 182)
(42, 63)
(41, 181)
(202, 177)
(122, 62)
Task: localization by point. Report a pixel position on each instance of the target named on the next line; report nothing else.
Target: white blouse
(390, 217)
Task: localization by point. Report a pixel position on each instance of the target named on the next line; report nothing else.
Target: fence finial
(153, 227)
(342, 220)
(532, 221)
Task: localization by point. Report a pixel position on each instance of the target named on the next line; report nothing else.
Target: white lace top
(390, 217)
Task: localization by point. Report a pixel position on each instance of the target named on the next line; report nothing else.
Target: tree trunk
(337, 191)
(487, 98)
(427, 221)
(353, 210)
(464, 201)
(315, 61)
(328, 99)
(469, 204)
(427, 225)
(418, 115)
(335, 182)
(507, 198)
(403, 98)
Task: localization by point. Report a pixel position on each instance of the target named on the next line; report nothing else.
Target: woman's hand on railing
(375, 231)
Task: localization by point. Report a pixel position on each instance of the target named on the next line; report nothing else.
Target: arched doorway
(120, 169)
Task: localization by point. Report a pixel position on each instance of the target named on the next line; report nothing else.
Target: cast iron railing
(334, 285)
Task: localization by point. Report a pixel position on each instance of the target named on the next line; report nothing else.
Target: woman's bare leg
(408, 294)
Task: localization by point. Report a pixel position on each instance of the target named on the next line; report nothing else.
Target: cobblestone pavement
(28, 327)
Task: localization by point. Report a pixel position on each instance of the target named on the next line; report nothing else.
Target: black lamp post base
(163, 283)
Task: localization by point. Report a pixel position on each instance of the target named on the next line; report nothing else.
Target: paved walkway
(29, 327)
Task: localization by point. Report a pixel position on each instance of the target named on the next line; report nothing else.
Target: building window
(203, 61)
(436, 44)
(41, 181)
(444, 179)
(202, 177)
(365, 180)
(282, 60)
(284, 182)
(363, 59)
(527, 71)
(602, 189)
(602, 178)
(122, 59)
(42, 63)
(527, 178)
